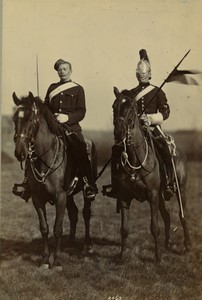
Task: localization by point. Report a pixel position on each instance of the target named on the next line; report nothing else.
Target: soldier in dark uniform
(153, 115)
(66, 100)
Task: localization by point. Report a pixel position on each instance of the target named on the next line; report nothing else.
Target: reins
(33, 157)
(125, 160)
(41, 176)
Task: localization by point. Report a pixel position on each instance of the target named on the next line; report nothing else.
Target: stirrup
(168, 193)
(72, 186)
(24, 193)
(88, 190)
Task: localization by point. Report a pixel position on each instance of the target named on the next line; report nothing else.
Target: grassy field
(101, 276)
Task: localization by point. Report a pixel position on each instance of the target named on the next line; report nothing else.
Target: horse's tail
(94, 160)
(92, 153)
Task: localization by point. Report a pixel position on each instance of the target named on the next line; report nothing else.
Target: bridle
(129, 123)
(33, 156)
(34, 126)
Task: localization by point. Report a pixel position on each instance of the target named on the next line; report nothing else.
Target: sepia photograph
(101, 150)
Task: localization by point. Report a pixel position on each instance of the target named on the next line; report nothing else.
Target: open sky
(102, 40)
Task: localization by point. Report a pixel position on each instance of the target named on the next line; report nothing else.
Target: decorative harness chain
(41, 176)
(124, 155)
(125, 160)
(32, 157)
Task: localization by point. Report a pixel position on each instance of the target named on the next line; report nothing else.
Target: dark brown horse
(40, 143)
(140, 173)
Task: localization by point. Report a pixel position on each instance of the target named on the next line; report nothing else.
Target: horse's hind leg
(88, 248)
(43, 225)
(166, 219)
(73, 217)
(183, 219)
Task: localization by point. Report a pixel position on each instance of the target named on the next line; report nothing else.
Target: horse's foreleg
(43, 225)
(154, 204)
(88, 248)
(183, 219)
(166, 219)
(58, 227)
(124, 224)
(73, 217)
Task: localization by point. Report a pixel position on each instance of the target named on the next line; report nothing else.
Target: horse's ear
(16, 100)
(31, 95)
(116, 91)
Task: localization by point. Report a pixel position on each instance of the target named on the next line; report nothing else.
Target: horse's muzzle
(20, 152)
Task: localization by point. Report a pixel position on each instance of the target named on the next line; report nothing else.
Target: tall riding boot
(89, 182)
(77, 147)
(169, 190)
(114, 187)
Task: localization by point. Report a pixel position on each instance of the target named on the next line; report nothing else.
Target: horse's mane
(127, 93)
(53, 125)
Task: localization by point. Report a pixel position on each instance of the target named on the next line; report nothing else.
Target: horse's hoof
(57, 268)
(45, 263)
(88, 250)
(44, 266)
(57, 265)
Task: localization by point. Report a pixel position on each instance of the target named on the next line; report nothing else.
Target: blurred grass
(179, 277)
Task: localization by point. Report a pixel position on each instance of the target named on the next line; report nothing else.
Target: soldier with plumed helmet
(153, 109)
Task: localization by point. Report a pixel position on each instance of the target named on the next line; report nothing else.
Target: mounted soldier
(152, 114)
(66, 100)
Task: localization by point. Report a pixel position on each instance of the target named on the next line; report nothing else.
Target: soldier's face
(64, 71)
(143, 72)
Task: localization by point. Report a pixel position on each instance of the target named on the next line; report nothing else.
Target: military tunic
(158, 104)
(67, 98)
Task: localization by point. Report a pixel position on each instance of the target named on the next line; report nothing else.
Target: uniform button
(60, 101)
(142, 97)
(62, 93)
(60, 109)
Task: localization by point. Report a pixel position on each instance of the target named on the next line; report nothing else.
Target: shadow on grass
(13, 248)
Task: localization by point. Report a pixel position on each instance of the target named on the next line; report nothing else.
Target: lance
(173, 164)
(37, 74)
(166, 80)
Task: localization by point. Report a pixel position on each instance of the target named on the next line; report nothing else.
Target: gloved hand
(62, 118)
(146, 119)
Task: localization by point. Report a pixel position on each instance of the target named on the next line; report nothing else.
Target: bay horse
(140, 174)
(40, 143)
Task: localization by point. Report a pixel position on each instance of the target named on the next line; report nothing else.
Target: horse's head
(26, 124)
(124, 114)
